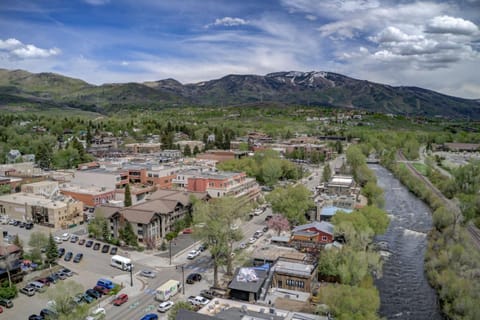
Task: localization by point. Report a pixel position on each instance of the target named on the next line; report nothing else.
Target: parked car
(48, 314)
(102, 290)
(187, 231)
(105, 248)
(7, 303)
(96, 246)
(81, 242)
(78, 257)
(92, 293)
(150, 316)
(121, 299)
(68, 256)
(148, 274)
(61, 252)
(193, 254)
(210, 294)
(44, 281)
(87, 298)
(113, 251)
(35, 317)
(194, 277)
(53, 278)
(65, 236)
(57, 240)
(89, 243)
(165, 306)
(242, 245)
(198, 300)
(29, 225)
(61, 275)
(98, 313)
(74, 239)
(67, 272)
(252, 240)
(202, 247)
(29, 291)
(265, 229)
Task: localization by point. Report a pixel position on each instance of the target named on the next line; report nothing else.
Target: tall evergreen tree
(327, 172)
(52, 250)
(187, 151)
(128, 197)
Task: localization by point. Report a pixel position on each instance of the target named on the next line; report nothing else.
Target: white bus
(121, 263)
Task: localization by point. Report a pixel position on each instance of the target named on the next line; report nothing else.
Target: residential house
(10, 259)
(312, 236)
(247, 284)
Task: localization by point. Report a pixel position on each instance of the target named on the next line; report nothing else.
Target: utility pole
(183, 279)
(170, 252)
(131, 275)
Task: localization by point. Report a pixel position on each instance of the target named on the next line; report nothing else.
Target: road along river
(404, 290)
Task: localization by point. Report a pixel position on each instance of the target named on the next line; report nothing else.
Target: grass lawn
(421, 168)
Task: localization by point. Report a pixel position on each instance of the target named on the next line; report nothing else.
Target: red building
(312, 235)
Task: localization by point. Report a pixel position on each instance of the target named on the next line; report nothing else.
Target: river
(404, 290)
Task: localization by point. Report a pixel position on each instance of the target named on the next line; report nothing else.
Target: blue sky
(431, 44)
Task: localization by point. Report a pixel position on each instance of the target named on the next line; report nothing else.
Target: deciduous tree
(291, 202)
(278, 223)
(127, 201)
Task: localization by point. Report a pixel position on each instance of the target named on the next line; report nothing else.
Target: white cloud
(447, 24)
(15, 49)
(228, 22)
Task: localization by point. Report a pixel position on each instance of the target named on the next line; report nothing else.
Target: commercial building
(91, 196)
(294, 275)
(57, 211)
(143, 147)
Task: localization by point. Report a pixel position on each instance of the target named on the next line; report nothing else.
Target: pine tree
(52, 250)
(187, 151)
(105, 231)
(128, 197)
(327, 172)
(128, 235)
(196, 150)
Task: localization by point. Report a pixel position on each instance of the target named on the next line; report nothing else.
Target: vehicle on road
(193, 254)
(38, 286)
(252, 240)
(150, 316)
(122, 263)
(88, 299)
(28, 225)
(61, 275)
(167, 290)
(258, 234)
(121, 299)
(165, 306)
(81, 242)
(29, 291)
(89, 243)
(242, 245)
(187, 231)
(148, 273)
(35, 317)
(97, 314)
(78, 257)
(193, 277)
(202, 247)
(105, 248)
(113, 251)
(68, 256)
(96, 246)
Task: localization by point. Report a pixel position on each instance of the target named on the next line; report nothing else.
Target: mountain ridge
(313, 88)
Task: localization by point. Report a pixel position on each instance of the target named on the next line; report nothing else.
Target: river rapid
(404, 290)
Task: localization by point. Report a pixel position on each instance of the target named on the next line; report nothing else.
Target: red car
(102, 290)
(121, 299)
(187, 231)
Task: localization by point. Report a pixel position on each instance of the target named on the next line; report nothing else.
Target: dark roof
(138, 216)
(249, 286)
(190, 315)
(106, 211)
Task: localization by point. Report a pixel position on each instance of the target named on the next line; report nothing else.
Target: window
(324, 238)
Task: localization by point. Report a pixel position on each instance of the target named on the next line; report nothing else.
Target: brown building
(153, 219)
(90, 196)
(294, 275)
(221, 155)
(312, 236)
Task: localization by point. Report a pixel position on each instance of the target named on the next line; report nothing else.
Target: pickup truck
(198, 300)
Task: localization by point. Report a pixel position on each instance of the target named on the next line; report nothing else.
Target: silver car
(148, 273)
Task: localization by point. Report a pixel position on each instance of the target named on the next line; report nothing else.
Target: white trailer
(168, 290)
(121, 262)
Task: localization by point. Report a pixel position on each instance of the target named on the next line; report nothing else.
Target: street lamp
(130, 268)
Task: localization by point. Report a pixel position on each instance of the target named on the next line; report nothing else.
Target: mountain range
(43, 90)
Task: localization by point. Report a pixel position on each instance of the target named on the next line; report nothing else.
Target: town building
(312, 236)
(191, 144)
(221, 184)
(56, 211)
(10, 258)
(143, 147)
(296, 275)
(248, 284)
(91, 196)
(221, 155)
(154, 218)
